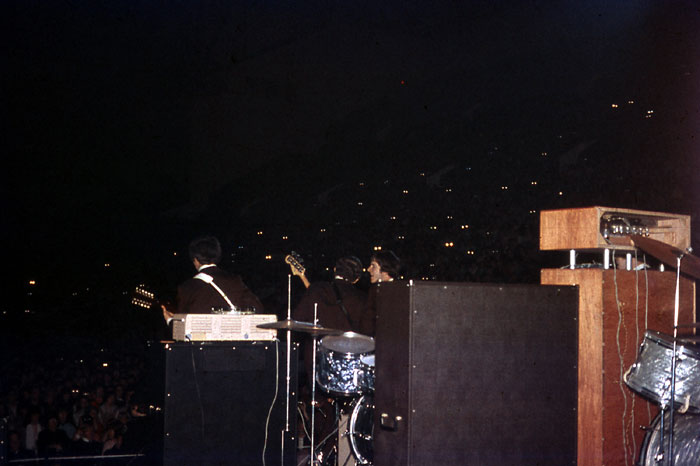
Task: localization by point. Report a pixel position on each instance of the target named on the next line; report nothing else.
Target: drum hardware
(346, 369)
(669, 255)
(686, 428)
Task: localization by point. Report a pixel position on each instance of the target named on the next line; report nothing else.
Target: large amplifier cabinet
(225, 403)
(475, 374)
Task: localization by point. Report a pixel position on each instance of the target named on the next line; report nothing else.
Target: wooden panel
(615, 308)
(565, 229)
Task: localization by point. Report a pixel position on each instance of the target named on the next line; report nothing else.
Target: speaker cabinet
(475, 374)
(225, 403)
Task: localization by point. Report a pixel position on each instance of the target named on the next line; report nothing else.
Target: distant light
(359, 203)
(361, 183)
(421, 174)
(106, 265)
(175, 253)
(448, 190)
(434, 227)
(32, 282)
(323, 230)
(614, 106)
(268, 257)
(533, 183)
(630, 102)
(403, 82)
(260, 233)
(405, 191)
(449, 244)
(400, 237)
(377, 248)
(104, 364)
(285, 237)
(543, 154)
(533, 211)
(449, 217)
(392, 218)
(504, 188)
(561, 193)
(470, 252)
(464, 227)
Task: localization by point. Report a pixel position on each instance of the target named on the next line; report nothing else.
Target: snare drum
(345, 364)
(650, 376)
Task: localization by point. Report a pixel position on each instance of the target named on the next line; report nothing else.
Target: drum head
(686, 447)
(360, 430)
(348, 342)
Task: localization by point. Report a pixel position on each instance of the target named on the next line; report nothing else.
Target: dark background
(327, 128)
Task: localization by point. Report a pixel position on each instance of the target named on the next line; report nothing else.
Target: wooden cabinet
(615, 309)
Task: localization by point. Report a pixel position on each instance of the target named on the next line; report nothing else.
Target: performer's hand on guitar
(167, 315)
(298, 269)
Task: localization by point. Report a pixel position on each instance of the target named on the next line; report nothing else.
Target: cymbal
(668, 254)
(303, 327)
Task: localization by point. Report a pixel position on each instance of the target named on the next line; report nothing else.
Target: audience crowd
(56, 404)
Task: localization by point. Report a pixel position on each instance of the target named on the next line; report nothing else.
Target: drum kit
(667, 371)
(343, 367)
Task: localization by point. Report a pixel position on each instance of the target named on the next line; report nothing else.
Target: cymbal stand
(674, 357)
(313, 391)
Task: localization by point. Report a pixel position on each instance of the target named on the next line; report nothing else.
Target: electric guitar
(295, 263)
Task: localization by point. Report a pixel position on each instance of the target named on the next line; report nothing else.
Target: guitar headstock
(143, 297)
(295, 262)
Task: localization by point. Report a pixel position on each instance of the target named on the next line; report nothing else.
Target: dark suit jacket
(330, 313)
(198, 297)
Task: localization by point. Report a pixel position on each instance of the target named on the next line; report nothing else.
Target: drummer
(339, 305)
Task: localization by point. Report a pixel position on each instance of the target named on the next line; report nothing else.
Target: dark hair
(206, 249)
(349, 267)
(388, 262)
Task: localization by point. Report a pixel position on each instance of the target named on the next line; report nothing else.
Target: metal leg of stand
(313, 405)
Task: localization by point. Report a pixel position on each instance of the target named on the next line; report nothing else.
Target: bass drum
(361, 429)
(686, 440)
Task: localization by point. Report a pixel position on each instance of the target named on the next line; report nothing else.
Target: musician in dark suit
(339, 305)
(384, 266)
(211, 288)
(340, 302)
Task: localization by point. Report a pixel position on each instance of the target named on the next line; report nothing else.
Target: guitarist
(212, 287)
(340, 302)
